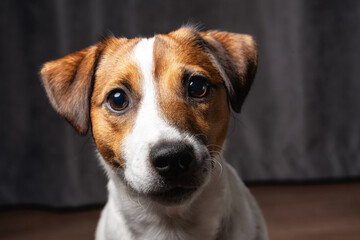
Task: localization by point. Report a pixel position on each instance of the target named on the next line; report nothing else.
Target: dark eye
(198, 86)
(118, 100)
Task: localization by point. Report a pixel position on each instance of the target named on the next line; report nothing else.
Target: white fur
(149, 127)
(223, 208)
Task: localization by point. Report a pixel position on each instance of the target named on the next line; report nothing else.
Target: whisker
(216, 161)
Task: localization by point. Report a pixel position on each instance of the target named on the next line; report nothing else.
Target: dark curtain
(301, 120)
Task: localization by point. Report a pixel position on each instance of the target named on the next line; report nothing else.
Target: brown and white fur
(208, 200)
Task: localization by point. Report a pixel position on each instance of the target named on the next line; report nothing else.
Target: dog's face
(159, 107)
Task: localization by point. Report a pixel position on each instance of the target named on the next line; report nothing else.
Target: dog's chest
(141, 219)
(166, 227)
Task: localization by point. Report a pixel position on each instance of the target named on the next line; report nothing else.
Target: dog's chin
(173, 196)
(165, 194)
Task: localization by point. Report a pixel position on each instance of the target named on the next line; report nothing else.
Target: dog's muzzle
(177, 168)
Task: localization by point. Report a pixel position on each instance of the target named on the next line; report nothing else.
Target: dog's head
(158, 108)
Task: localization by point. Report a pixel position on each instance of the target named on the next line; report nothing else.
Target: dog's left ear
(68, 83)
(237, 56)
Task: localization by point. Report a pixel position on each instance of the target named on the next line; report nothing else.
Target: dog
(158, 109)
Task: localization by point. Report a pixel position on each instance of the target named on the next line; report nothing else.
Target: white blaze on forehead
(143, 56)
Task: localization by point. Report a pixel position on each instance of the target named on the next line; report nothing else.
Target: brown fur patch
(115, 71)
(176, 55)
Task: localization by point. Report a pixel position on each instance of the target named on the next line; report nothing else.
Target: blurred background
(300, 123)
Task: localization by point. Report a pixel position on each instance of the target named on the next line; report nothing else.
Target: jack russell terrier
(158, 109)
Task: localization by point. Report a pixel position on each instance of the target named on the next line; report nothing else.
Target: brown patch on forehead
(116, 70)
(176, 55)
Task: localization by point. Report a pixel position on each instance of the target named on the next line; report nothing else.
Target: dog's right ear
(68, 82)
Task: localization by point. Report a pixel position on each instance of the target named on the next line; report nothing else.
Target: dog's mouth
(173, 195)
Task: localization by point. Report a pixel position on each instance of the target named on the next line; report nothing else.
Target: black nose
(172, 159)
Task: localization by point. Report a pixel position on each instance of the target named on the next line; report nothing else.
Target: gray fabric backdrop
(301, 120)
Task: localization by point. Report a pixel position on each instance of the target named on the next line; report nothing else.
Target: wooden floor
(311, 212)
(292, 212)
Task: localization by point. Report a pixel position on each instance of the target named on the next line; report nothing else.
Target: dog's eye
(118, 100)
(198, 86)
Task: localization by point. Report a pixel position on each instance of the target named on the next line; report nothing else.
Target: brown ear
(237, 56)
(68, 82)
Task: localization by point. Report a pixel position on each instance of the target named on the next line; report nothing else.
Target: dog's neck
(200, 218)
